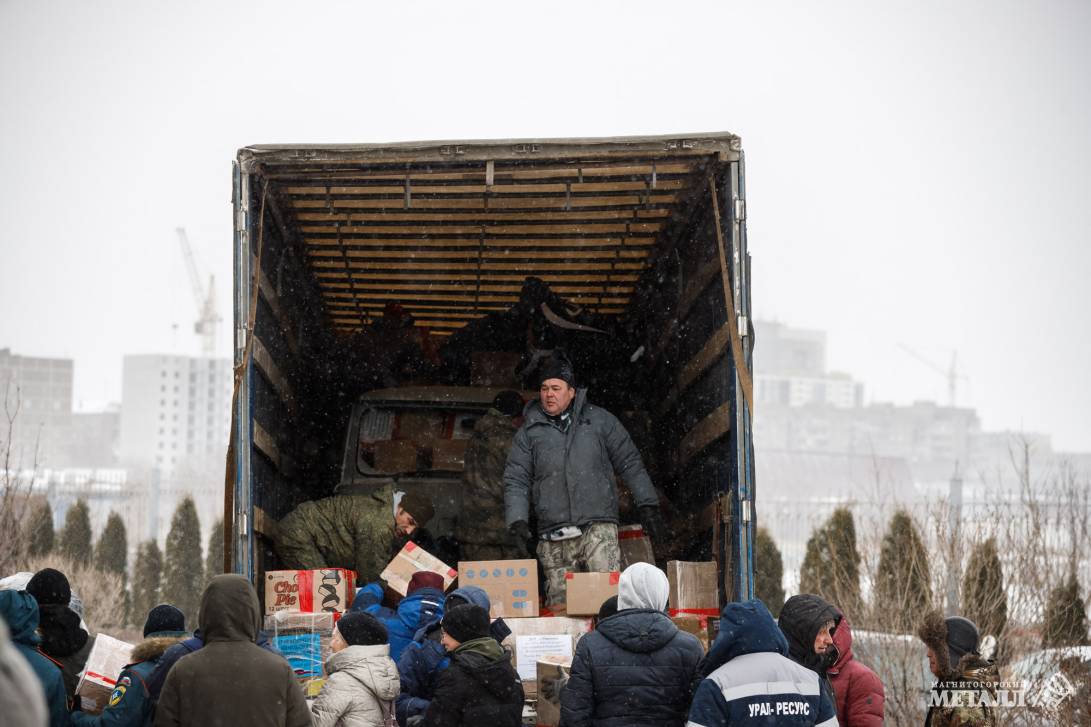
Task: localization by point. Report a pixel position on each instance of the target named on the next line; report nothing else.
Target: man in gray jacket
(564, 458)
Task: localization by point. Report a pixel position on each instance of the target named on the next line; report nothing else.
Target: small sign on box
(409, 560)
(512, 585)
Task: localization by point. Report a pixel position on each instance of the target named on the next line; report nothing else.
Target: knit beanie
(419, 506)
(361, 629)
(556, 368)
(509, 403)
(466, 623)
(164, 617)
(424, 579)
(49, 586)
(608, 608)
(962, 638)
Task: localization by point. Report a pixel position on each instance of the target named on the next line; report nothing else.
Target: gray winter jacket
(360, 690)
(569, 476)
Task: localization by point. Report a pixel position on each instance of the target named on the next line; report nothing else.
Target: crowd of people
(636, 668)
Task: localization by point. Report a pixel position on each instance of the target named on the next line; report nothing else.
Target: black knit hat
(557, 368)
(608, 608)
(419, 506)
(466, 622)
(164, 618)
(962, 637)
(358, 628)
(50, 586)
(509, 403)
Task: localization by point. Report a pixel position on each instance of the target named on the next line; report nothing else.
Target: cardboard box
(705, 628)
(586, 592)
(304, 639)
(494, 368)
(449, 454)
(536, 638)
(396, 455)
(409, 560)
(553, 674)
(635, 546)
(694, 588)
(104, 664)
(512, 585)
(330, 589)
(422, 426)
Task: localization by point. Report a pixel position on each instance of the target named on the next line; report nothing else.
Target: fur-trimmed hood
(933, 632)
(153, 647)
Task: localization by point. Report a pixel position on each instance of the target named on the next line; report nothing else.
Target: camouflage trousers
(596, 551)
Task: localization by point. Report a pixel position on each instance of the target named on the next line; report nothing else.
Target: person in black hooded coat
(808, 622)
(480, 687)
(636, 669)
(63, 637)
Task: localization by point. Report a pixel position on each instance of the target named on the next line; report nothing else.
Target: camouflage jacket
(482, 517)
(343, 531)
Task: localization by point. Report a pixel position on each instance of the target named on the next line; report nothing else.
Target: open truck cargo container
(648, 229)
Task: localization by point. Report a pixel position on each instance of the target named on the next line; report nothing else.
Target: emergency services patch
(126, 682)
(117, 695)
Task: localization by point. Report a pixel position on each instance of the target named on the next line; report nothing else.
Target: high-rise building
(174, 410)
(37, 392)
(790, 370)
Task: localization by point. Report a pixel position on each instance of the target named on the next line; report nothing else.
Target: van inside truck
(628, 253)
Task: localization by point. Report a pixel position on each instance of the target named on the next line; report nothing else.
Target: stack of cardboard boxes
(694, 603)
(301, 609)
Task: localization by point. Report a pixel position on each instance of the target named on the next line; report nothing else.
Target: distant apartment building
(790, 370)
(175, 421)
(174, 410)
(38, 391)
(95, 439)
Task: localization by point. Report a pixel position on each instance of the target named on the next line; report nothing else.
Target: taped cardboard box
(532, 639)
(512, 585)
(304, 639)
(307, 591)
(104, 664)
(409, 560)
(693, 588)
(586, 592)
(635, 546)
(553, 672)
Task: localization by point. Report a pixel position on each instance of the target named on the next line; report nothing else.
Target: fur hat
(951, 640)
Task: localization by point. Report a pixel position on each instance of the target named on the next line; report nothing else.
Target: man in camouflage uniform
(481, 529)
(358, 532)
(965, 678)
(563, 459)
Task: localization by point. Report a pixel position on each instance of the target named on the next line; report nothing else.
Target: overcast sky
(917, 172)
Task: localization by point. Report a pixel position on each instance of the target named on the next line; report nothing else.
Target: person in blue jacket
(424, 658)
(20, 611)
(131, 704)
(422, 605)
(369, 599)
(749, 679)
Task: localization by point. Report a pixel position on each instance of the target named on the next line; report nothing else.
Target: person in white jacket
(363, 680)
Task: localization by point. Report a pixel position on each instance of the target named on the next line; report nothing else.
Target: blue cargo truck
(645, 236)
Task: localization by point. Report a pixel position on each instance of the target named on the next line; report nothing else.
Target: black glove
(415, 721)
(652, 522)
(520, 534)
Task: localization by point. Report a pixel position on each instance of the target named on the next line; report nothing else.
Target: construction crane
(208, 319)
(950, 373)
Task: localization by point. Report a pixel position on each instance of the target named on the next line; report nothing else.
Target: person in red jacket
(857, 689)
